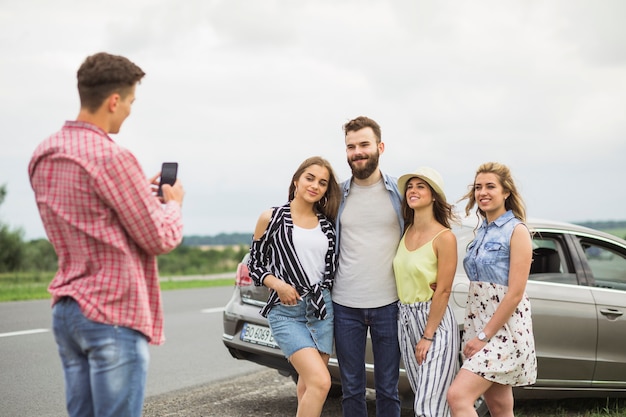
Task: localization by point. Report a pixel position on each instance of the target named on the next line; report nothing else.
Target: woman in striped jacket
(293, 253)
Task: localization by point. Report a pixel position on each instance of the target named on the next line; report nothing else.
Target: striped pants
(431, 379)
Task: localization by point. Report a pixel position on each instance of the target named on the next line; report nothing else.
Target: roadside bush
(11, 249)
(190, 260)
(39, 255)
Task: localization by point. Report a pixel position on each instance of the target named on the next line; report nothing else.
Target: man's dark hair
(360, 123)
(103, 74)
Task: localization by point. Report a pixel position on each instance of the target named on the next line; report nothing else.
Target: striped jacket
(274, 254)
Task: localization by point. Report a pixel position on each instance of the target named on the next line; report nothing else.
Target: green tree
(189, 260)
(11, 243)
(39, 255)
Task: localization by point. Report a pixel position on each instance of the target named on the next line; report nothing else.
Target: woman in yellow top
(426, 259)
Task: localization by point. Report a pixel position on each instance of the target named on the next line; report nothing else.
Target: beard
(370, 166)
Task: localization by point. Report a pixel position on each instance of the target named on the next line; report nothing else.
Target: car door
(606, 264)
(565, 325)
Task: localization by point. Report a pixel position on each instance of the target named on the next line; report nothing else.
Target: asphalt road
(191, 375)
(31, 378)
(262, 393)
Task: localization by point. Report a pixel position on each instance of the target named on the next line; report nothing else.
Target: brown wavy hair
(442, 210)
(329, 204)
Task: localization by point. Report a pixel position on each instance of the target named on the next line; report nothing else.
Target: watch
(482, 337)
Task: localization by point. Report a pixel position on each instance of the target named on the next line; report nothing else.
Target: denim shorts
(296, 327)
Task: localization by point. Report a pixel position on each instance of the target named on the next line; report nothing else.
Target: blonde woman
(498, 342)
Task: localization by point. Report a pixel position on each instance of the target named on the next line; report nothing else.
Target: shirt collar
(502, 220)
(77, 124)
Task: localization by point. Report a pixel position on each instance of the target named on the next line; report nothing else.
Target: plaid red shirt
(106, 226)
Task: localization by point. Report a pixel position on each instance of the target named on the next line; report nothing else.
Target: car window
(607, 265)
(549, 262)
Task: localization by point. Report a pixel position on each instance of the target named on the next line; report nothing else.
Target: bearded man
(369, 227)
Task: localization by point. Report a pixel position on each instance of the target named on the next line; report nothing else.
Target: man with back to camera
(106, 224)
(369, 227)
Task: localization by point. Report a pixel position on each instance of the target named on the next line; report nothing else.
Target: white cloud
(239, 92)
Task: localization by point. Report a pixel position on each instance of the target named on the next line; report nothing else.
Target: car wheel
(335, 391)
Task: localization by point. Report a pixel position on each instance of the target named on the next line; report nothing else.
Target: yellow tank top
(414, 271)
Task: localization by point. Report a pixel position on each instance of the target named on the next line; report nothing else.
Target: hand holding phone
(169, 170)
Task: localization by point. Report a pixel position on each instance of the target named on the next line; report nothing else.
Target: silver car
(577, 288)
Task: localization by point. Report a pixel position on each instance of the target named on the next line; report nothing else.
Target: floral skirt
(509, 356)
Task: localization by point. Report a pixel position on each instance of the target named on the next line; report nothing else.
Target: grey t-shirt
(370, 234)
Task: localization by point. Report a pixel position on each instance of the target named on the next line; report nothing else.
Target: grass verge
(34, 286)
(196, 283)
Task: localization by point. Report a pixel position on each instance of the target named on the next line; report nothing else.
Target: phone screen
(169, 171)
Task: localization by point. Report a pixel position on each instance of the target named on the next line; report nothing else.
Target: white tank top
(311, 247)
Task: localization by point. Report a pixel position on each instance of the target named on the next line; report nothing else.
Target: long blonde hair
(514, 202)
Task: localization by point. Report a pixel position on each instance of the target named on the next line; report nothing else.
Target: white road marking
(24, 332)
(212, 310)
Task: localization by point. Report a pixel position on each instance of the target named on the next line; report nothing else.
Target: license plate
(260, 335)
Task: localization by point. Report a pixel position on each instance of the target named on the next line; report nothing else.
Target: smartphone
(169, 170)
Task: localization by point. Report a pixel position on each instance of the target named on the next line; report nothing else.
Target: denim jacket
(391, 184)
(488, 256)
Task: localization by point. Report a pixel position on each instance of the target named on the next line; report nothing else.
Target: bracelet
(430, 339)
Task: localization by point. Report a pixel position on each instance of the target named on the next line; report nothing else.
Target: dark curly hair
(103, 74)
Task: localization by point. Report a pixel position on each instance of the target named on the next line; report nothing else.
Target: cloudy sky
(239, 92)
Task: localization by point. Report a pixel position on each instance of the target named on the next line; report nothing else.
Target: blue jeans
(105, 366)
(351, 326)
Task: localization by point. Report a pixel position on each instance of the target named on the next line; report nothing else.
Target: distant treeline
(245, 238)
(221, 239)
(604, 225)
